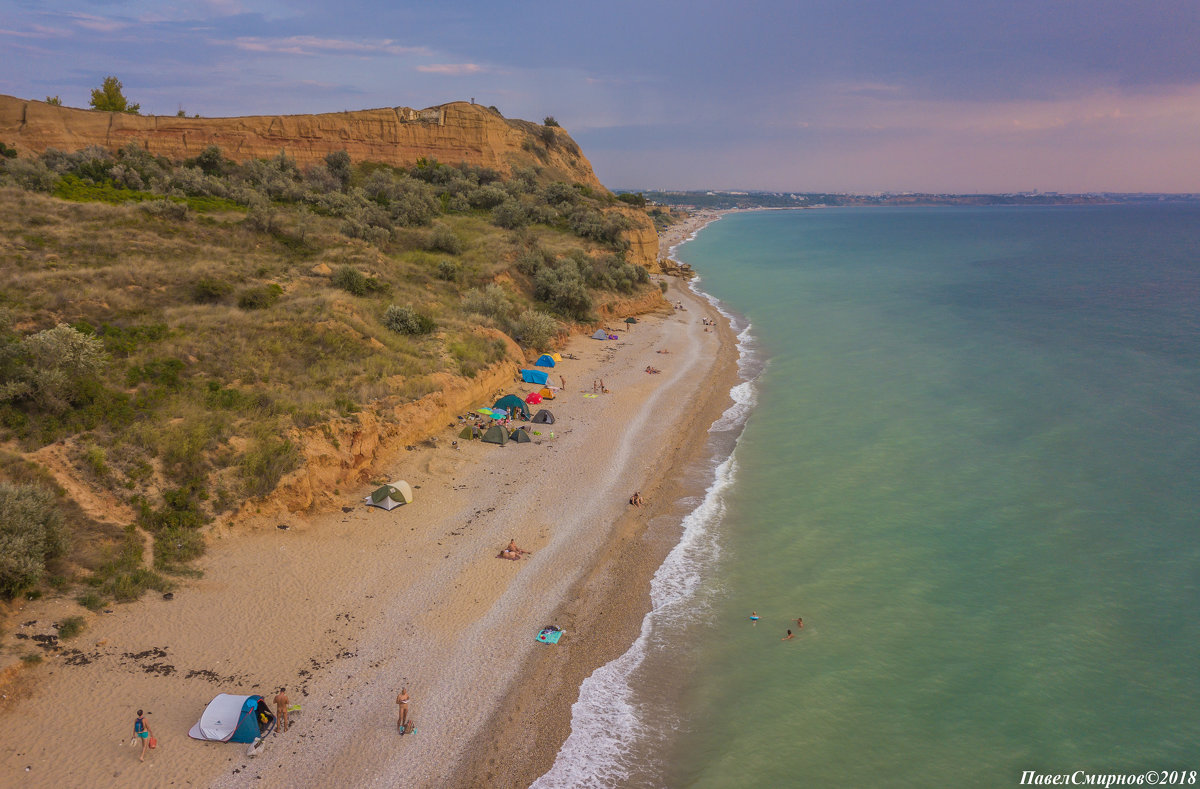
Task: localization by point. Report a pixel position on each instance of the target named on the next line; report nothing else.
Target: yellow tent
(556, 357)
(547, 394)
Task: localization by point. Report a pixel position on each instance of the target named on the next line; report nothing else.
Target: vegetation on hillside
(172, 324)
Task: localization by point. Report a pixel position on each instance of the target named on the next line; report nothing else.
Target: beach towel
(549, 635)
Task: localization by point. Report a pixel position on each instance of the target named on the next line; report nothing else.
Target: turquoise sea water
(972, 466)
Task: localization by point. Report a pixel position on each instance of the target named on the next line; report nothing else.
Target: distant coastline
(714, 200)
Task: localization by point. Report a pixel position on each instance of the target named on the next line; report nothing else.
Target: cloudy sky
(807, 95)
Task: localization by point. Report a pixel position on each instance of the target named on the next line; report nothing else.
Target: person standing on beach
(281, 708)
(141, 730)
(563, 381)
(402, 702)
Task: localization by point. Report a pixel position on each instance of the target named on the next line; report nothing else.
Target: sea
(965, 451)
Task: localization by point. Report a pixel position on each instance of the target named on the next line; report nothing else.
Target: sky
(804, 96)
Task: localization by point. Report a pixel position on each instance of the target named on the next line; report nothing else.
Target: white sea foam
(606, 724)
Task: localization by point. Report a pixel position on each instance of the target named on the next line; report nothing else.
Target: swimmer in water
(753, 616)
(789, 636)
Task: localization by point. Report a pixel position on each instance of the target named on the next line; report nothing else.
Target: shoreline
(614, 597)
(343, 607)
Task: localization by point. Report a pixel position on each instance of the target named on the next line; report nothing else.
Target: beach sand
(346, 607)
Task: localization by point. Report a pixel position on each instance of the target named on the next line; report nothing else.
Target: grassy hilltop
(167, 328)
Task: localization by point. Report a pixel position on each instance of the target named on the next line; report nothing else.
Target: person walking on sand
(141, 730)
(563, 381)
(402, 702)
(281, 709)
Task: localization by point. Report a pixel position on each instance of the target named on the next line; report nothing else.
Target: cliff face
(451, 133)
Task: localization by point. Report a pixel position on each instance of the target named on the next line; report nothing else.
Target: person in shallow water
(790, 635)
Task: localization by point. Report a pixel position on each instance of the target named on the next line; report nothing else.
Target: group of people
(790, 635)
(598, 386)
(650, 369)
(143, 732)
(636, 499)
(512, 551)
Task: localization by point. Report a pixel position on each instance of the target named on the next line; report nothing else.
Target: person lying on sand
(512, 546)
(507, 554)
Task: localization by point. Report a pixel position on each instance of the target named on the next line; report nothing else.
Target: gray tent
(520, 435)
(543, 417)
(600, 335)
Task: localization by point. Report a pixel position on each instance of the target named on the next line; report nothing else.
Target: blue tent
(545, 360)
(535, 376)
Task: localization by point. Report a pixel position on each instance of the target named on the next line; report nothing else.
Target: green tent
(520, 435)
(390, 496)
(513, 404)
(496, 435)
(467, 433)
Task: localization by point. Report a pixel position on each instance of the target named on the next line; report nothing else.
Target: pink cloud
(313, 45)
(452, 69)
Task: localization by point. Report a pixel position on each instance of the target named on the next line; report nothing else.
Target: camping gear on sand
(543, 417)
(549, 634)
(545, 360)
(520, 435)
(229, 718)
(547, 393)
(539, 377)
(600, 335)
(533, 398)
(466, 433)
(390, 496)
(153, 743)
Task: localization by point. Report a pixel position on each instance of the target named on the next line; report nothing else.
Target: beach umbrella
(631, 320)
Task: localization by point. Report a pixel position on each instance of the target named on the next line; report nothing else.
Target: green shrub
(7, 152)
(265, 463)
(71, 627)
(443, 239)
(633, 198)
(31, 531)
(166, 209)
(662, 285)
(564, 289)
(54, 369)
(356, 283)
(536, 329)
(177, 545)
(31, 658)
(406, 320)
(490, 301)
(259, 297)
(208, 290)
(448, 270)
(350, 280)
(549, 121)
(91, 601)
(509, 215)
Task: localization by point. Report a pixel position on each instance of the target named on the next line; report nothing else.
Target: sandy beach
(345, 607)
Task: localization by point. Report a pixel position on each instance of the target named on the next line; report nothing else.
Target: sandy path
(345, 607)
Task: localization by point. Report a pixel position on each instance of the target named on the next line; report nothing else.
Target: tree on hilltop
(109, 98)
(55, 100)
